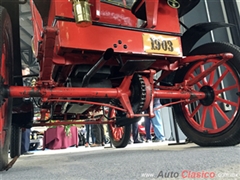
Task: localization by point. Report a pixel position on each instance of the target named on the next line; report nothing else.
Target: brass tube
(82, 13)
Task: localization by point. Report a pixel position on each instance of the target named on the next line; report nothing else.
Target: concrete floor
(136, 161)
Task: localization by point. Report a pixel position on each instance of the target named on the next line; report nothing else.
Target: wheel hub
(210, 95)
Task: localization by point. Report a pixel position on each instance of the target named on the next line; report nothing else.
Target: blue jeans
(88, 131)
(148, 122)
(25, 143)
(157, 126)
(135, 132)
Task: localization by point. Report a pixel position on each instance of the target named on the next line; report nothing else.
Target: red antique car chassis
(97, 57)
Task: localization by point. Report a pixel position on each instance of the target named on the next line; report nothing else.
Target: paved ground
(137, 161)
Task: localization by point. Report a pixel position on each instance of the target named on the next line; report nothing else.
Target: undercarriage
(97, 69)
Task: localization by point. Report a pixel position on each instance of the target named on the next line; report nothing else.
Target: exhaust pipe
(105, 57)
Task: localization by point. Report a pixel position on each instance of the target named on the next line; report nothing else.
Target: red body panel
(167, 18)
(88, 39)
(37, 29)
(100, 38)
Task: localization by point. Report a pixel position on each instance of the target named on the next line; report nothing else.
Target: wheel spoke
(204, 73)
(118, 133)
(195, 110)
(115, 134)
(114, 130)
(198, 83)
(203, 119)
(212, 117)
(221, 112)
(112, 114)
(191, 101)
(211, 78)
(220, 79)
(226, 89)
(204, 80)
(226, 101)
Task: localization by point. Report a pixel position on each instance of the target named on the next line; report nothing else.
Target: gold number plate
(162, 44)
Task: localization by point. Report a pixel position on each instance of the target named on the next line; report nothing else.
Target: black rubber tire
(34, 146)
(123, 142)
(6, 39)
(230, 135)
(16, 138)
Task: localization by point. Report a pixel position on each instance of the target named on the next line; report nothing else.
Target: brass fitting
(33, 82)
(82, 13)
(32, 45)
(173, 3)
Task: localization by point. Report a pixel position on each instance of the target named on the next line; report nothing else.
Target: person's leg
(92, 133)
(25, 141)
(147, 128)
(157, 125)
(23, 150)
(97, 135)
(87, 133)
(102, 135)
(135, 133)
(28, 139)
(86, 143)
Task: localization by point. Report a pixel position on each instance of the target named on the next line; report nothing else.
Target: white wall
(238, 4)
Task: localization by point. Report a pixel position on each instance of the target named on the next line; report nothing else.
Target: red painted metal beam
(63, 92)
(171, 94)
(46, 66)
(189, 59)
(74, 122)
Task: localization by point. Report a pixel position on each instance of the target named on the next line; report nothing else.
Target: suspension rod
(171, 94)
(64, 123)
(63, 92)
(69, 92)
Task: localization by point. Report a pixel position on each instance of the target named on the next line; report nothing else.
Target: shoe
(28, 153)
(129, 142)
(158, 140)
(137, 141)
(148, 141)
(86, 145)
(154, 138)
(95, 145)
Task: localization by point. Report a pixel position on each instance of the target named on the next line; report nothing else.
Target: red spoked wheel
(214, 120)
(5, 79)
(119, 136)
